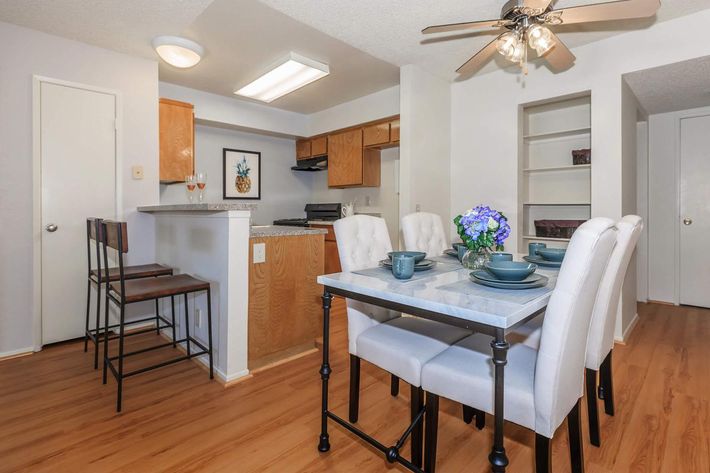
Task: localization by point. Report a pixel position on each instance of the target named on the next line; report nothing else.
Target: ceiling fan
(527, 23)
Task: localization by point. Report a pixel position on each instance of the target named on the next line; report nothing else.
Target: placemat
(386, 274)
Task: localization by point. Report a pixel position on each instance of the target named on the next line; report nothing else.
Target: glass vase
(475, 259)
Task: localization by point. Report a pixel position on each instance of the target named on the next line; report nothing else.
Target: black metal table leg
(209, 331)
(497, 457)
(157, 318)
(323, 443)
(172, 318)
(187, 327)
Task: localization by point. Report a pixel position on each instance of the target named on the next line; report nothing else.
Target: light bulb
(540, 39)
(507, 43)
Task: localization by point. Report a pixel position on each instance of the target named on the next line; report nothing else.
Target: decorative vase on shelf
(475, 259)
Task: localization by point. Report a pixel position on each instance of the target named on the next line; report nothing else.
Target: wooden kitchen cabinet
(177, 140)
(303, 149)
(319, 146)
(394, 131)
(332, 258)
(349, 163)
(376, 134)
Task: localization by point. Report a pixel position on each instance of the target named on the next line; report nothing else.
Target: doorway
(75, 178)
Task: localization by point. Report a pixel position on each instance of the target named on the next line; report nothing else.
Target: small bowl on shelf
(417, 255)
(510, 270)
(552, 254)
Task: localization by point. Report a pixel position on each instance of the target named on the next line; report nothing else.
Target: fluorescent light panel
(289, 75)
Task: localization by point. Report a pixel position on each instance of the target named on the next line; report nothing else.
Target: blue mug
(500, 256)
(402, 266)
(533, 247)
(461, 249)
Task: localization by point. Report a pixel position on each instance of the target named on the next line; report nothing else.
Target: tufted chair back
(424, 231)
(601, 330)
(560, 360)
(362, 242)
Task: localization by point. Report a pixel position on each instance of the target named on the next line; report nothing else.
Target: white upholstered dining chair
(601, 331)
(543, 386)
(424, 231)
(399, 345)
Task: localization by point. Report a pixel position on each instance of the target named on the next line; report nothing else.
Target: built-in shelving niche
(550, 186)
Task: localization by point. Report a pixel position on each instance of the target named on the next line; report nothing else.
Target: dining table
(444, 294)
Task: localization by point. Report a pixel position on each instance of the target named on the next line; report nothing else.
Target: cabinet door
(376, 134)
(303, 149)
(394, 131)
(177, 140)
(319, 146)
(345, 159)
(332, 258)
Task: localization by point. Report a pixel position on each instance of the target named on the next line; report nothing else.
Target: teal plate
(486, 276)
(542, 282)
(423, 265)
(542, 262)
(451, 252)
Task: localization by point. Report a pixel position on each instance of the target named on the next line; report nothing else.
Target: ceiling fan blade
(471, 25)
(559, 57)
(479, 59)
(618, 10)
(536, 6)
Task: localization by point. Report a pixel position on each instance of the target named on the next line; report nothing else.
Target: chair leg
(543, 454)
(394, 386)
(417, 441)
(157, 319)
(576, 449)
(354, 388)
(432, 426)
(469, 413)
(120, 360)
(209, 331)
(172, 319)
(88, 309)
(607, 385)
(106, 304)
(592, 412)
(98, 324)
(187, 327)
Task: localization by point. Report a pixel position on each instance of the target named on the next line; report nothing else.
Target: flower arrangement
(482, 228)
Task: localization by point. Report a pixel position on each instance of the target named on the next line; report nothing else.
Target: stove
(323, 212)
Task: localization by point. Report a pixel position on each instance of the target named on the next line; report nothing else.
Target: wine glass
(190, 183)
(201, 183)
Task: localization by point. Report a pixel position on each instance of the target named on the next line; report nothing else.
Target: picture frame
(241, 174)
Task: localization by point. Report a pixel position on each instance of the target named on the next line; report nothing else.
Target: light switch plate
(137, 172)
(259, 253)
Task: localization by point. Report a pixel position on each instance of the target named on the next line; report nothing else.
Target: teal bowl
(500, 256)
(455, 246)
(418, 255)
(510, 270)
(552, 254)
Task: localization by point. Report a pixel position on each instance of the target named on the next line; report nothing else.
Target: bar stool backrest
(114, 235)
(560, 359)
(93, 233)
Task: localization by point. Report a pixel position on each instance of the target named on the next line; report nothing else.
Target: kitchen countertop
(204, 207)
(262, 231)
(321, 222)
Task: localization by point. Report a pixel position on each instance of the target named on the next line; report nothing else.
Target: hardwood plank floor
(56, 416)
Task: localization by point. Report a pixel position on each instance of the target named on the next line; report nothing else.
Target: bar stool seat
(147, 289)
(135, 272)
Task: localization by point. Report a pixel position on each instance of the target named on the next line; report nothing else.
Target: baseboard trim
(627, 332)
(9, 355)
(651, 301)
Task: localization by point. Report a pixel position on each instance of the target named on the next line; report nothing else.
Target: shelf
(577, 204)
(530, 237)
(559, 168)
(558, 134)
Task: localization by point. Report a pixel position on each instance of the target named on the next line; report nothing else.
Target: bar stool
(124, 291)
(95, 277)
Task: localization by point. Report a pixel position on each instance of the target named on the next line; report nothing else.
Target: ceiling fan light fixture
(510, 46)
(177, 51)
(540, 39)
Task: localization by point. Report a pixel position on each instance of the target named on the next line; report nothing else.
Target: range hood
(319, 163)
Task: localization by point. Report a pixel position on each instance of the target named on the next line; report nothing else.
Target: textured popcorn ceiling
(673, 87)
(391, 29)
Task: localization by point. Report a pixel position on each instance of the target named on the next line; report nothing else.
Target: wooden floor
(56, 416)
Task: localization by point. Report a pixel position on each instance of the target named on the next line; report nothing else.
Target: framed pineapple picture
(241, 174)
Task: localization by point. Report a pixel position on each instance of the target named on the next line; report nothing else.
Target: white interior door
(78, 180)
(695, 211)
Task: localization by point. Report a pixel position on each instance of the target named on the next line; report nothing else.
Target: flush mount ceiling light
(177, 51)
(290, 74)
(527, 22)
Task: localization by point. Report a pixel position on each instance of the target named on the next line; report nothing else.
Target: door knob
(687, 221)
(51, 228)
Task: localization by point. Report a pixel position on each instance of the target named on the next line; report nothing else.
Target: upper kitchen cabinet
(312, 147)
(394, 131)
(350, 164)
(376, 134)
(177, 140)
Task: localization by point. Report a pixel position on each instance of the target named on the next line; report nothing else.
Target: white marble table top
(451, 293)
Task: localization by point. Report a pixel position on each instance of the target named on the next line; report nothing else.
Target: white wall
(384, 103)
(642, 209)
(484, 114)
(663, 205)
(283, 192)
(425, 165)
(26, 53)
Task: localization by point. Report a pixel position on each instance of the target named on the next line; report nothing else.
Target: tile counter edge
(262, 231)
